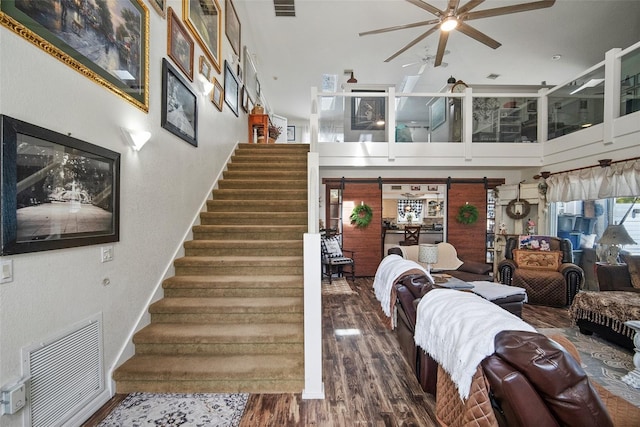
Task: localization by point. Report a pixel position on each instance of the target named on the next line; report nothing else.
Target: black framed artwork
(179, 105)
(368, 113)
(231, 89)
(57, 191)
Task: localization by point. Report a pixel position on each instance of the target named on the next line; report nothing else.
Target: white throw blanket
(492, 291)
(457, 329)
(390, 269)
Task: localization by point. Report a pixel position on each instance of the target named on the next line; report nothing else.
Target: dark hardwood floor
(367, 381)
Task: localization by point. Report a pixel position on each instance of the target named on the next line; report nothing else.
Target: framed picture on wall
(204, 20)
(231, 89)
(232, 26)
(57, 191)
(205, 68)
(245, 99)
(368, 113)
(291, 133)
(160, 6)
(217, 94)
(180, 45)
(179, 105)
(124, 69)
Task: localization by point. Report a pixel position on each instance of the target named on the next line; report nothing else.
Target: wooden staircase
(231, 319)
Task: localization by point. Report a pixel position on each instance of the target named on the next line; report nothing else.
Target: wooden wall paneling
(469, 240)
(365, 241)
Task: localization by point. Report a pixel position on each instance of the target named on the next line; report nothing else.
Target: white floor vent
(64, 374)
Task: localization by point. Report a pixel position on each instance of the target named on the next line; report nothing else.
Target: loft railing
(599, 95)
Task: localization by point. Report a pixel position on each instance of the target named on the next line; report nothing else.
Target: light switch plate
(106, 253)
(6, 274)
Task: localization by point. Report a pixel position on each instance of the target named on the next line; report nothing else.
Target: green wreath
(467, 214)
(361, 215)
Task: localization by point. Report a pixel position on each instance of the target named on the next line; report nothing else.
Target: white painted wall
(162, 189)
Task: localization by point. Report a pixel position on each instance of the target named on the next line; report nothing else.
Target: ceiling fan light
(449, 23)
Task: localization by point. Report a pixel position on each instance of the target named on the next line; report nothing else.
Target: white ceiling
(291, 54)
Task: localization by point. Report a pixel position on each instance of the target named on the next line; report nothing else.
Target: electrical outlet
(107, 253)
(6, 275)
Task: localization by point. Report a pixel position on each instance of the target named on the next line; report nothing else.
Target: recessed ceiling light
(556, 57)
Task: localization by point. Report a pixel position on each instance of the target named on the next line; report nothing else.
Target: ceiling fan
(455, 17)
(425, 60)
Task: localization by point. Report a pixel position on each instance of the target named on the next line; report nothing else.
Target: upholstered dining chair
(334, 258)
(543, 265)
(411, 235)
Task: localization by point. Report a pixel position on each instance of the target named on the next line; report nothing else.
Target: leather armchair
(553, 288)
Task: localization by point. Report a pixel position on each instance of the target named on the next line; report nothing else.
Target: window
(580, 220)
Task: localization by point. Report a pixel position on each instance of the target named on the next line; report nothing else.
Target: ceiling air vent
(284, 7)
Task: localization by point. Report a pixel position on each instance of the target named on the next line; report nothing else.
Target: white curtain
(618, 180)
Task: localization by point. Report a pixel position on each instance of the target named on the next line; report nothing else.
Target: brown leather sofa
(469, 271)
(533, 381)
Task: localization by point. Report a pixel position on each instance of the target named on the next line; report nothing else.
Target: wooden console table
(257, 121)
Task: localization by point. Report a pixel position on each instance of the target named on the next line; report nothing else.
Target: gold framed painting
(217, 94)
(113, 52)
(204, 20)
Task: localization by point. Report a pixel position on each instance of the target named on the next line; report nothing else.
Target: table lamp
(428, 254)
(615, 236)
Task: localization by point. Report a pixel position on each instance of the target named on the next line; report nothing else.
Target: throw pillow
(535, 243)
(332, 247)
(633, 264)
(587, 240)
(537, 260)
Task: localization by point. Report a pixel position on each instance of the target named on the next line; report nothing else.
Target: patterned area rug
(151, 409)
(606, 363)
(338, 286)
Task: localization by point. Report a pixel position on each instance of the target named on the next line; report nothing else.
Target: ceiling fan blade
(452, 6)
(422, 67)
(444, 36)
(475, 34)
(468, 6)
(505, 10)
(426, 6)
(399, 27)
(413, 43)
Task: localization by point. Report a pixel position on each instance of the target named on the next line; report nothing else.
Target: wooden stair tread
(200, 367)
(266, 281)
(208, 333)
(227, 305)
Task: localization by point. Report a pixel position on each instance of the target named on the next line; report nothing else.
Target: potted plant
(274, 132)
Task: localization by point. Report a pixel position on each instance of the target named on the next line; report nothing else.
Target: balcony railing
(363, 113)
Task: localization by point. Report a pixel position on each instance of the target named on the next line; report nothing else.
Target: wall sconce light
(352, 79)
(136, 138)
(205, 85)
